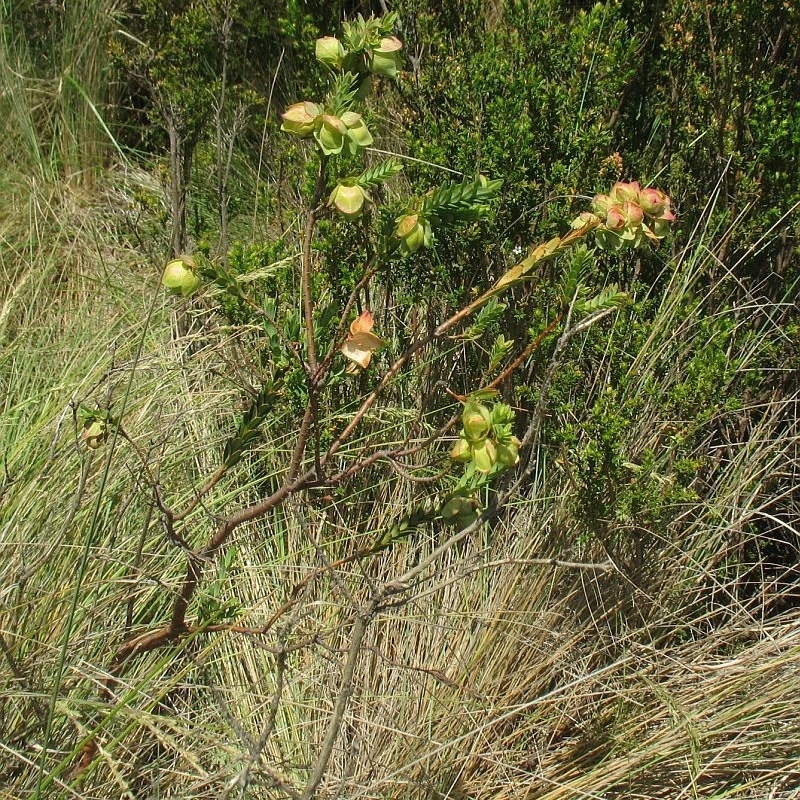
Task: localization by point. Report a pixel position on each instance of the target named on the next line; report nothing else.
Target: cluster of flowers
(361, 56)
(628, 216)
(412, 230)
(335, 132)
(486, 437)
(365, 52)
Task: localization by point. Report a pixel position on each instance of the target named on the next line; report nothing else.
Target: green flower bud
(330, 132)
(330, 52)
(95, 432)
(357, 131)
(462, 451)
(633, 214)
(386, 58)
(348, 199)
(180, 276)
(455, 506)
(484, 455)
(459, 510)
(653, 202)
(413, 231)
(299, 119)
(624, 192)
(508, 454)
(601, 204)
(476, 421)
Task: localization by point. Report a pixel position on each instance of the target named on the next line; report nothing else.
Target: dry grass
(669, 670)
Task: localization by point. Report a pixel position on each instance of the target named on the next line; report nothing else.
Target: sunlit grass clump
(536, 660)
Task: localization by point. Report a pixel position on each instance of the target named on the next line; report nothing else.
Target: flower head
(624, 192)
(476, 421)
(334, 133)
(94, 433)
(329, 131)
(361, 343)
(358, 134)
(386, 59)
(180, 276)
(413, 231)
(629, 216)
(329, 51)
(299, 119)
(348, 198)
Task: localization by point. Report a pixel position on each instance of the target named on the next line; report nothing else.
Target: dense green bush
(713, 103)
(555, 96)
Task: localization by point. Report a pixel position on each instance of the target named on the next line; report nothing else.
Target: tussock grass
(53, 107)
(666, 668)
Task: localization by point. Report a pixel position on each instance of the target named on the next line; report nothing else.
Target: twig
(342, 700)
(305, 277)
(526, 353)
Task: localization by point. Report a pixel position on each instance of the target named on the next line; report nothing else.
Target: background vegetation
(628, 627)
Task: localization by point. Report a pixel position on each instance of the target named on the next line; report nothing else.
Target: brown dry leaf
(361, 343)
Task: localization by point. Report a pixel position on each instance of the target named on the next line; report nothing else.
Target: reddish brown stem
(526, 353)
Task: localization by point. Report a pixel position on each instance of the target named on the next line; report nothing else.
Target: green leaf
(460, 202)
(580, 262)
(377, 174)
(248, 430)
(610, 297)
(485, 318)
(501, 347)
(342, 95)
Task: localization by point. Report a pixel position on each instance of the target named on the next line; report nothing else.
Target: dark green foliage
(523, 96)
(716, 98)
(635, 447)
(460, 202)
(175, 52)
(546, 94)
(248, 431)
(378, 173)
(237, 280)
